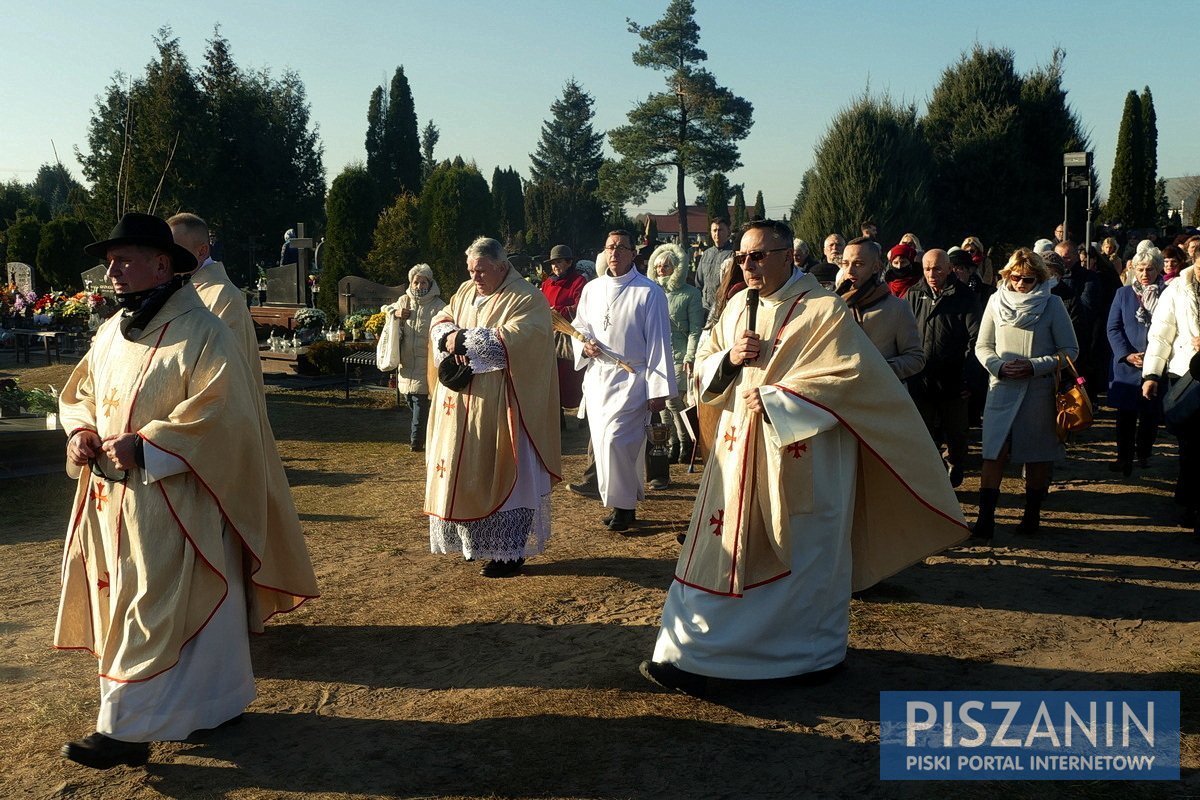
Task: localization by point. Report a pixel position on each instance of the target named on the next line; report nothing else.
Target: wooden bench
(355, 363)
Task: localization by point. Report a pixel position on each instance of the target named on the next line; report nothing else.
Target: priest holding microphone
(822, 481)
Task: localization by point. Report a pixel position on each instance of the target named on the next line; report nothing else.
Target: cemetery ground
(414, 677)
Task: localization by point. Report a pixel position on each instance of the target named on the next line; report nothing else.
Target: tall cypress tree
(1150, 156)
(352, 210)
(376, 161)
(400, 139)
(508, 203)
(718, 196)
(760, 208)
(739, 208)
(1127, 189)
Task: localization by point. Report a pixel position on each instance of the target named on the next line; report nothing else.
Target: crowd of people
(829, 404)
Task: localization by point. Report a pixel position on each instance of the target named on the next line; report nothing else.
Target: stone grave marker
(360, 294)
(21, 275)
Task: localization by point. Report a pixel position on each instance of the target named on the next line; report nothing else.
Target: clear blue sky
(487, 71)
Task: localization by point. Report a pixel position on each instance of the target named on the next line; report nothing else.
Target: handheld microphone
(751, 310)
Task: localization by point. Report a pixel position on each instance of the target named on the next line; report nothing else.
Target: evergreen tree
(55, 187)
(739, 209)
(690, 129)
(1162, 204)
(429, 140)
(22, 238)
(1126, 189)
(1150, 157)
(760, 208)
(1195, 221)
(872, 160)
(508, 203)
(60, 256)
(718, 196)
(570, 151)
(377, 164)
(455, 208)
(557, 214)
(396, 242)
(392, 144)
(974, 127)
(801, 199)
(352, 210)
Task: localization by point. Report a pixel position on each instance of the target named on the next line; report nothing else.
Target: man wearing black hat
(171, 557)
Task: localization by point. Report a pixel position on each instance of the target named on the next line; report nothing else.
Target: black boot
(1031, 520)
(102, 752)
(622, 519)
(985, 523)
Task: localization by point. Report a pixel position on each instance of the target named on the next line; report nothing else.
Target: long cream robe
(222, 298)
(143, 566)
(472, 438)
(740, 535)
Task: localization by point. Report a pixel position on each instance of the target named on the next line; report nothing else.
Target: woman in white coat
(1023, 330)
(1173, 343)
(415, 309)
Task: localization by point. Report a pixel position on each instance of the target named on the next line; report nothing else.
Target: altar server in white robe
(624, 316)
(762, 586)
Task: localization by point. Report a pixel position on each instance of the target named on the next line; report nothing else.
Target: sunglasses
(1026, 280)
(94, 465)
(756, 255)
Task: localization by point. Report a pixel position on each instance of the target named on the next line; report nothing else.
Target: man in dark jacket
(947, 315)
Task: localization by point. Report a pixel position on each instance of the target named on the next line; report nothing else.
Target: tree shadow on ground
(651, 573)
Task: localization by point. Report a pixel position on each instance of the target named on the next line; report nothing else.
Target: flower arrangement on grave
(357, 321)
(311, 319)
(375, 322)
(19, 303)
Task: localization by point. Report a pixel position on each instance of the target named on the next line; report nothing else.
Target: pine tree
(739, 208)
(801, 199)
(556, 214)
(377, 166)
(690, 129)
(570, 151)
(718, 197)
(1150, 156)
(1126, 202)
(871, 159)
(393, 146)
(760, 208)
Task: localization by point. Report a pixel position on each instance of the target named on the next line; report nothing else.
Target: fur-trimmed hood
(676, 279)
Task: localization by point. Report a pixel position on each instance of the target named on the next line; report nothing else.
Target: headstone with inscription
(360, 294)
(21, 276)
(96, 280)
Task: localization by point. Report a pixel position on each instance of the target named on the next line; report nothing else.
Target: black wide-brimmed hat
(148, 230)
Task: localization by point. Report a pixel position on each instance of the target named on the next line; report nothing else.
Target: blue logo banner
(1029, 736)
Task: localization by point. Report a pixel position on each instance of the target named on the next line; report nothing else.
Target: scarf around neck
(140, 307)
(860, 298)
(1022, 310)
(1147, 299)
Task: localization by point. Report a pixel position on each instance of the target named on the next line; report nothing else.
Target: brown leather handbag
(1074, 407)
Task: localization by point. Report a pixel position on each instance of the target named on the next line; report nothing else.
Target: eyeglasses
(94, 465)
(755, 255)
(1025, 280)
(612, 248)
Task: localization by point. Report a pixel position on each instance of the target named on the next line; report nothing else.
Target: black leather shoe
(672, 677)
(660, 483)
(418, 447)
(502, 569)
(622, 518)
(956, 475)
(102, 752)
(588, 490)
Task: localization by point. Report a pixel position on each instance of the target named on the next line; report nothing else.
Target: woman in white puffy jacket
(1174, 341)
(415, 310)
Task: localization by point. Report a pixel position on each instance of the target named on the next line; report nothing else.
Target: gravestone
(20, 275)
(96, 280)
(360, 294)
(287, 285)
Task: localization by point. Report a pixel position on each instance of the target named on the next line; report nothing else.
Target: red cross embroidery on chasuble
(797, 449)
(441, 467)
(731, 437)
(448, 404)
(98, 494)
(102, 583)
(717, 520)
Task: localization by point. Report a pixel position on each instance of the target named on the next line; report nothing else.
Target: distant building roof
(668, 224)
